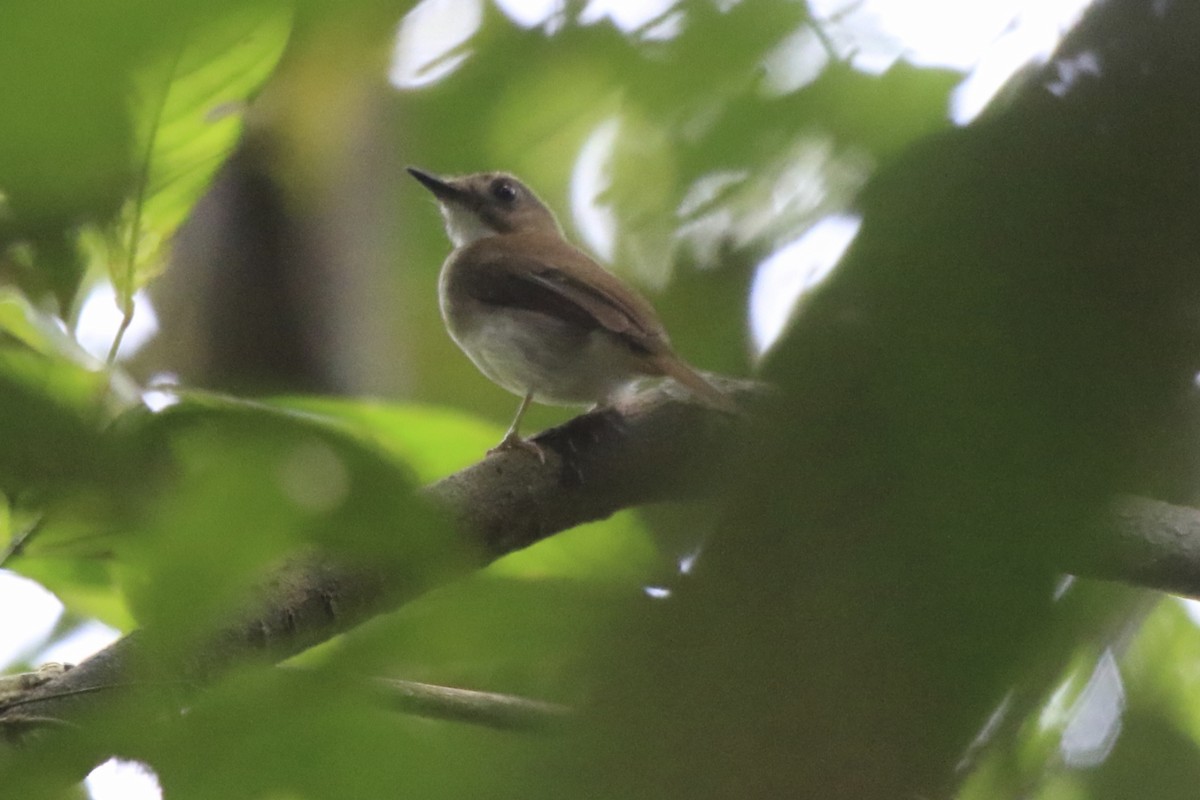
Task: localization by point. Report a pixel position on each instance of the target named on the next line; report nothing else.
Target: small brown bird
(537, 315)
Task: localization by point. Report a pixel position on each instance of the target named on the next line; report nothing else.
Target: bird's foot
(514, 441)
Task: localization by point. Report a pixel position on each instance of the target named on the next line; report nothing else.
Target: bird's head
(487, 204)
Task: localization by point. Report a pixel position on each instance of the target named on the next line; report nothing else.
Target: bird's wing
(547, 275)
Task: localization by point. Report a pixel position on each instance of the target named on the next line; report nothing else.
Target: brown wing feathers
(596, 298)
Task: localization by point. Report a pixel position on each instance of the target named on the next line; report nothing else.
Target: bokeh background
(221, 186)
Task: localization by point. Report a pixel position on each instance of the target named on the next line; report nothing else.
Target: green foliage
(118, 116)
(169, 519)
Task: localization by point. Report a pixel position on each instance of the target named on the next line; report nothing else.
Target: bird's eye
(504, 191)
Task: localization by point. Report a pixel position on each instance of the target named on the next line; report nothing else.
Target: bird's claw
(515, 442)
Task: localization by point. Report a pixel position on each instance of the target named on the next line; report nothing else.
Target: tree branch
(1147, 543)
(657, 446)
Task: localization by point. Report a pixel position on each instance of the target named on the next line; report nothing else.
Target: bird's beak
(442, 189)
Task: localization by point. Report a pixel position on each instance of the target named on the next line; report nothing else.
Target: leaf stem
(126, 319)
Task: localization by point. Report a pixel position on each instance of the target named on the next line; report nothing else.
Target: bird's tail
(673, 366)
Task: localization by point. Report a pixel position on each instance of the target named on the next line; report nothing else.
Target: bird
(537, 315)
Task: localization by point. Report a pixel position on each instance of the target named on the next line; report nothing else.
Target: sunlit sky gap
(117, 779)
(100, 317)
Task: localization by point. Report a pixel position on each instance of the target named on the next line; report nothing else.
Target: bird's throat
(464, 226)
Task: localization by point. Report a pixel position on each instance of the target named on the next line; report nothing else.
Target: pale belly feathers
(525, 351)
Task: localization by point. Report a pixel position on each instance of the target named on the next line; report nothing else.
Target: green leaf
(435, 442)
(56, 399)
(233, 487)
(1154, 667)
(187, 112)
(56, 465)
(432, 441)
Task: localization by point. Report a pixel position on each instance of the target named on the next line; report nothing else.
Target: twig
(490, 709)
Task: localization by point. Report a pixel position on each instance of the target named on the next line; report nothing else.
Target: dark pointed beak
(442, 189)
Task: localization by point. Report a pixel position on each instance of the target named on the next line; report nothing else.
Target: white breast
(525, 351)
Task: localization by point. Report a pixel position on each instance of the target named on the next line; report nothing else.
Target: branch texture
(655, 447)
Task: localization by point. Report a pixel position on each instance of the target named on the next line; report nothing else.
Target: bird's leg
(514, 434)
(513, 441)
